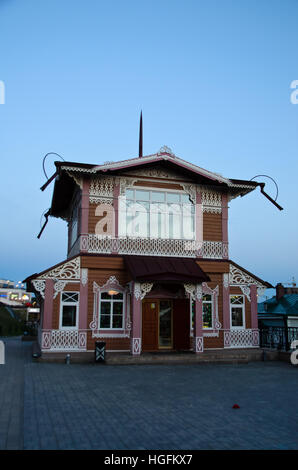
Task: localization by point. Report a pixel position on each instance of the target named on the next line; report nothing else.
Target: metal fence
(278, 337)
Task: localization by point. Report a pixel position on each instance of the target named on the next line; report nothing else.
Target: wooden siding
(214, 266)
(92, 218)
(212, 227)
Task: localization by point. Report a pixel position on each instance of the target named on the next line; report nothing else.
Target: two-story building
(148, 265)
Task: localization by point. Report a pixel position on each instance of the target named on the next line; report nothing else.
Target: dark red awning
(164, 269)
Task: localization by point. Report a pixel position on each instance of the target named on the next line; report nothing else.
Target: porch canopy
(164, 269)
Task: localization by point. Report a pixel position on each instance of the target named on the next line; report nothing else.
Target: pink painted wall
(83, 307)
(254, 306)
(48, 304)
(85, 207)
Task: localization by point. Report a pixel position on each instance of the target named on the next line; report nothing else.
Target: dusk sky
(212, 79)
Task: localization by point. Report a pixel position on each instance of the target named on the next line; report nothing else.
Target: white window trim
(162, 190)
(212, 302)
(123, 300)
(77, 304)
(243, 312)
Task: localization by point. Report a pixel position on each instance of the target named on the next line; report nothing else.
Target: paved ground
(59, 406)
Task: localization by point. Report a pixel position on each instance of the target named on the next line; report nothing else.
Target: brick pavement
(12, 393)
(93, 406)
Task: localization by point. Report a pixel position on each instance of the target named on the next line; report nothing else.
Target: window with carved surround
(111, 311)
(237, 311)
(69, 310)
(157, 214)
(208, 311)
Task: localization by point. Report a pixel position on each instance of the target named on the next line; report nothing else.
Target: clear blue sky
(213, 81)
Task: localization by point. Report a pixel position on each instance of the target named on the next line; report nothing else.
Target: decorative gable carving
(70, 270)
(243, 280)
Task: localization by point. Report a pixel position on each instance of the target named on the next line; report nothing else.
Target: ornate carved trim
(40, 286)
(226, 280)
(241, 338)
(78, 179)
(211, 201)
(238, 277)
(111, 284)
(136, 346)
(246, 291)
(84, 276)
(140, 290)
(68, 270)
(191, 190)
(58, 287)
(126, 183)
(101, 189)
(190, 289)
(214, 295)
(199, 344)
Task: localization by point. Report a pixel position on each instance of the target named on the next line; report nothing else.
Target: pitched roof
(164, 269)
(286, 305)
(65, 185)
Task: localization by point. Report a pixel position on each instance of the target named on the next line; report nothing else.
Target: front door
(165, 324)
(157, 325)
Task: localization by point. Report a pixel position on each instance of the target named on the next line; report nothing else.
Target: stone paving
(95, 406)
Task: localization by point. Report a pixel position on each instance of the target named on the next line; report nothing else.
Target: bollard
(67, 359)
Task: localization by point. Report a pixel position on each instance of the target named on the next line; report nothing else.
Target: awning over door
(164, 269)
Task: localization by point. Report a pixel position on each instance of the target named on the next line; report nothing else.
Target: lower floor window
(111, 310)
(237, 311)
(69, 309)
(207, 311)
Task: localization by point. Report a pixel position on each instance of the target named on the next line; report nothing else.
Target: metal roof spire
(141, 137)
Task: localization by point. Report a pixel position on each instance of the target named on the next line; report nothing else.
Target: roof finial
(141, 137)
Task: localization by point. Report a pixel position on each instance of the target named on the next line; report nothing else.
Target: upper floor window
(237, 309)
(74, 225)
(157, 214)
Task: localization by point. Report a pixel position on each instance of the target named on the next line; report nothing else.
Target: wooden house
(148, 265)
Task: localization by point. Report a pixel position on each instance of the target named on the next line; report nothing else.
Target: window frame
(75, 303)
(122, 218)
(242, 306)
(213, 306)
(111, 301)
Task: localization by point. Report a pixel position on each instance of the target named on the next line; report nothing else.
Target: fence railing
(278, 337)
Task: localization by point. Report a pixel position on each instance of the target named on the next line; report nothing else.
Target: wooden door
(181, 320)
(150, 325)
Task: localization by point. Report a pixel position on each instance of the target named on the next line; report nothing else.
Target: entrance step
(222, 356)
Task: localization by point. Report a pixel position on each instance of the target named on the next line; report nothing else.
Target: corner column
(85, 207)
(136, 330)
(198, 345)
(226, 310)
(224, 219)
(47, 323)
(254, 315)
